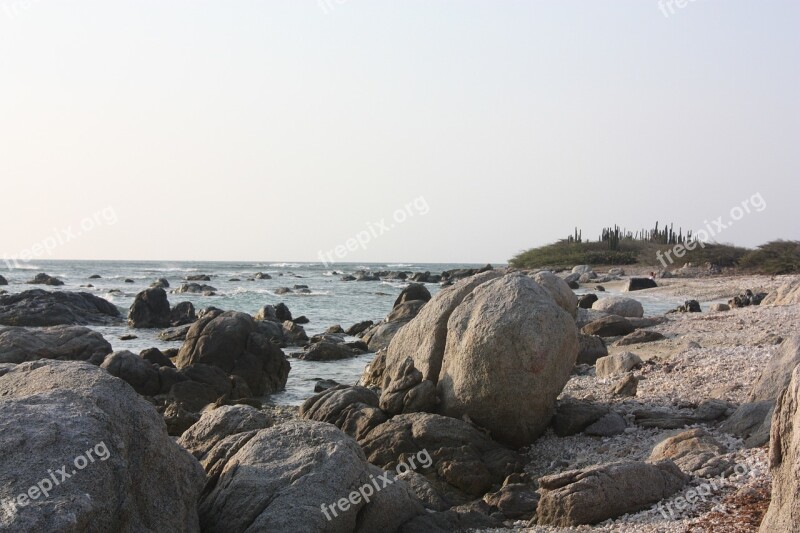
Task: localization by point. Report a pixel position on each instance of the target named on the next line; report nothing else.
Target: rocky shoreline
(539, 411)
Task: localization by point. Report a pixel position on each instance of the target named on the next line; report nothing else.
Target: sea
(330, 301)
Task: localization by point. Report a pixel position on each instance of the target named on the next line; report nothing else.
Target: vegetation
(616, 246)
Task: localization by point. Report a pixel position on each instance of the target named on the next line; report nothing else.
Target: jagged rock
(67, 343)
(182, 314)
(354, 410)
(138, 373)
(595, 494)
(150, 309)
(37, 308)
(217, 424)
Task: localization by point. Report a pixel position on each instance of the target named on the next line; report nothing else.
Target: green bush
(774, 257)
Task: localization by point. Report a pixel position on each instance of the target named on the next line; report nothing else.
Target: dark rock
(747, 298)
(267, 312)
(586, 301)
(195, 288)
(302, 319)
(360, 327)
(66, 343)
(262, 275)
(128, 337)
(637, 284)
(573, 417)
(37, 308)
(154, 356)
(348, 278)
(129, 280)
(609, 326)
(294, 334)
(640, 336)
(283, 290)
(95, 276)
(138, 373)
(591, 348)
(607, 426)
(150, 309)
(415, 291)
(325, 384)
(198, 277)
(182, 314)
(44, 279)
(282, 312)
(689, 306)
(335, 329)
(327, 351)
(160, 282)
(233, 342)
(174, 334)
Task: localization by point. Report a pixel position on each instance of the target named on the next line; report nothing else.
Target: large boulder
(121, 471)
(217, 424)
(608, 326)
(415, 291)
(423, 339)
(784, 461)
(465, 462)
(786, 294)
(134, 370)
(45, 279)
(66, 343)
(300, 476)
(234, 342)
(3, 281)
(752, 419)
(354, 410)
(615, 364)
(150, 309)
(591, 348)
(597, 493)
(509, 352)
(37, 307)
(559, 291)
(380, 336)
(619, 306)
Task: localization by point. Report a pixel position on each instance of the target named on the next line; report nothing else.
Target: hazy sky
(274, 130)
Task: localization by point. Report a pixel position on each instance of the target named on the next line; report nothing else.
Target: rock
(150, 309)
(373, 373)
(590, 348)
(196, 288)
(626, 386)
(599, 288)
(646, 322)
(466, 463)
(335, 329)
(616, 271)
(128, 337)
(325, 384)
(133, 477)
(508, 333)
(216, 424)
(597, 493)
(3, 281)
(37, 308)
(587, 277)
(607, 426)
(160, 282)
(424, 337)
(328, 351)
(689, 306)
(262, 275)
(267, 312)
(713, 409)
(270, 480)
(620, 363)
(154, 356)
(138, 373)
(517, 501)
(407, 392)
(572, 417)
(784, 460)
(348, 277)
(559, 291)
(747, 298)
(619, 306)
(415, 291)
(405, 311)
(294, 334)
(44, 279)
(694, 452)
(282, 312)
(354, 410)
(638, 284)
(232, 341)
(302, 319)
(283, 290)
(751, 420)
(360, 327)
(786, 294)
(66, 343)
(716, 308)
(640, 336)
(587, 300)
(581, 269)
(182, 314)
(609, 326)
(379, 336)
(198, 277)
(656, 418)
(174, 334)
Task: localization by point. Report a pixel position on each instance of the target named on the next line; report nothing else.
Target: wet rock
(44, 279)
(66, 343)
(196, 288)
(182, 314)
(150, 309)
(638, 284)
(198, 277)
(360, 327)
(38, 308)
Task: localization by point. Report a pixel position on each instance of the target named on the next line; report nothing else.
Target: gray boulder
(150, 309)
(299, 476)
(37, 308)
(66, 343)
(354, 410)
(216, 424)
(595, 494)
(138, 373)
(619, 306)
(122, 472)
(559, 291)
(44, 279)
(233, 342)
(509, 352)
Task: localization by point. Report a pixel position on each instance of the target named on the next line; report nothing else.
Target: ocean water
(330, 302)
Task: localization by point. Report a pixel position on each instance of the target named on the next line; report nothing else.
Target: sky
(397, 131)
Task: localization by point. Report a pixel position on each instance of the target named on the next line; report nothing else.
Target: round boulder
(619, 306)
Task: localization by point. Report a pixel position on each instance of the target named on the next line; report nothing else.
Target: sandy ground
(705, 355)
